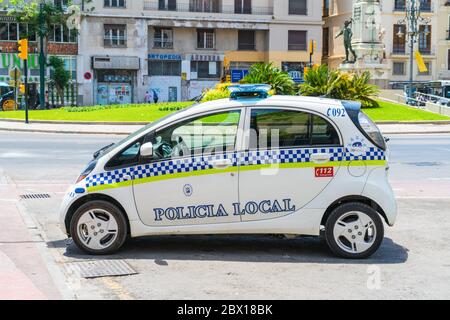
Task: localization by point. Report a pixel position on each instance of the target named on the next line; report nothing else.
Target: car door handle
(320, 158)
(222, 163)
(127, 177)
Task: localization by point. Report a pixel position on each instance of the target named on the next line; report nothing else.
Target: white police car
(251, 164)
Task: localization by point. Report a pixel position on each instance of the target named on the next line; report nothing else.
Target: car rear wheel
(354, 231)
(99, 227)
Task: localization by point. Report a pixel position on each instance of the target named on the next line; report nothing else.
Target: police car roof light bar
(260, 91)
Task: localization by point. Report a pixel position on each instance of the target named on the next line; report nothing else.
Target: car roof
(312, 103)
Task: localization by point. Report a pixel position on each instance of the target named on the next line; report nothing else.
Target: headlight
(371, 130)
(87, 171)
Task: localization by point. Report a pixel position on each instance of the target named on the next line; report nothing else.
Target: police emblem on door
(188, 190)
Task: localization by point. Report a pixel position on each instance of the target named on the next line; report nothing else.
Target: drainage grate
(101, 268)
(35, 196)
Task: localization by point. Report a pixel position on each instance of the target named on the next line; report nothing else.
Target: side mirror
(147, 150)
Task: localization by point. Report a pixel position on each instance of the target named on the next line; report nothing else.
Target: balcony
(225, 9)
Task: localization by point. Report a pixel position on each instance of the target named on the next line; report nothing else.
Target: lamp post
(411, 21)
(42, 60)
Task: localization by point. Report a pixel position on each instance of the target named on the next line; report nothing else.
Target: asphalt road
(413, 262)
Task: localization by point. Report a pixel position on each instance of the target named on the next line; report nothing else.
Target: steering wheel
(180, 149)
(163, 150)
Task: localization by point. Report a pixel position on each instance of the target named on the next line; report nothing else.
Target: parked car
(251, 164)
(6, 95)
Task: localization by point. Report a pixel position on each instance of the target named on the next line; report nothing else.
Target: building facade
(62, 43)
(396, 47)
(171, 50)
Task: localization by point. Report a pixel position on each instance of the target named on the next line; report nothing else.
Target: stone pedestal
(367, 42)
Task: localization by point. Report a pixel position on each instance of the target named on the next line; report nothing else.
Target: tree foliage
(320, 81)
(266, 73)
(59, 75)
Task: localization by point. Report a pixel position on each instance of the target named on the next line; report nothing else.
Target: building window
(115, 35)
(114, 3)
(167, 5)
(61, 4)
(400, 5)
(243, 6)
(297, 40)
(428, 72)
(164, 68)
(299, 7)
(326, 41)
(425, 39)
(204, 5)
(398, 68)
(448, 59)
(163, 38)
(12, 31)
(206, 69)
(399, 43)
(205, 39)
(59, 33)
(246, 40)
(326, 8)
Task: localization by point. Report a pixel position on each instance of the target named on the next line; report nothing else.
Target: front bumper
(379, 190)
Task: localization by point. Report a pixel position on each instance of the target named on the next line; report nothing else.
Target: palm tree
(266, 73)
(320, 81)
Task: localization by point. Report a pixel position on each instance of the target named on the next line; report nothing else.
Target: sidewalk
(23, 272)
(125, 129)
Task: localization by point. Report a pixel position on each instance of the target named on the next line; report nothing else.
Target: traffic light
(312, 46)
(228, 78)
(22, 89)
(23, 49)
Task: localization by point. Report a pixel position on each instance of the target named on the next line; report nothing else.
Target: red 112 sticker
(324, 172)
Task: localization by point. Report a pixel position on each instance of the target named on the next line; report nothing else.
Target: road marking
(117, 289)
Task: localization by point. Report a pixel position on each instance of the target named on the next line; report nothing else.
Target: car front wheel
(99, 227)
(354, 231)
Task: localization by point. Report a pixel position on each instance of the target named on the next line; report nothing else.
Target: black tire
(119, 216)
(344, 209)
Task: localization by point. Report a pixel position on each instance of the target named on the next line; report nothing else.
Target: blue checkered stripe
(287, 156)
(250, 158)
(158, 169)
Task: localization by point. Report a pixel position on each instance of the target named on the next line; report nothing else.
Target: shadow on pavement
(245, 248)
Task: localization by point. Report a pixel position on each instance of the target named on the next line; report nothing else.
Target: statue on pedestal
(348, 35)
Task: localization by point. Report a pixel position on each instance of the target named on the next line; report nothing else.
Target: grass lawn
(395, 112)
(151, 112)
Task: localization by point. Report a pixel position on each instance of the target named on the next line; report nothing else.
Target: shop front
(115, 79)
(295, 69)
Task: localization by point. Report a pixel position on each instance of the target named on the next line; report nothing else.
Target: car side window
(210, 134)
(278, 128)
(128, 157)
(323, 133)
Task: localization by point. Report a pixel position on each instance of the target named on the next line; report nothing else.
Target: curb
(437, 122)
(128, 133)
(79, 122)
(66, 132)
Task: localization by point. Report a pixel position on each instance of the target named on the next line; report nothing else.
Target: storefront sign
(205, 57)
(238, 75)
(164, 56)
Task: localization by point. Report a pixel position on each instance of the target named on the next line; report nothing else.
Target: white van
(251, 164)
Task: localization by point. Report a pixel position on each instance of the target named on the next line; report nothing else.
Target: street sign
(15, 73)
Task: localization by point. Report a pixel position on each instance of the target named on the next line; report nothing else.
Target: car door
(291, 156)
(192, 178)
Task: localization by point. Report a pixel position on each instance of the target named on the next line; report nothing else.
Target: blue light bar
(259, 91)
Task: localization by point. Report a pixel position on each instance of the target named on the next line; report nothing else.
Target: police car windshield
(133, 136)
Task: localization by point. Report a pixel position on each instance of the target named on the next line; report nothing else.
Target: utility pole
(42, 60)
(411, 22)
(23, 55)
